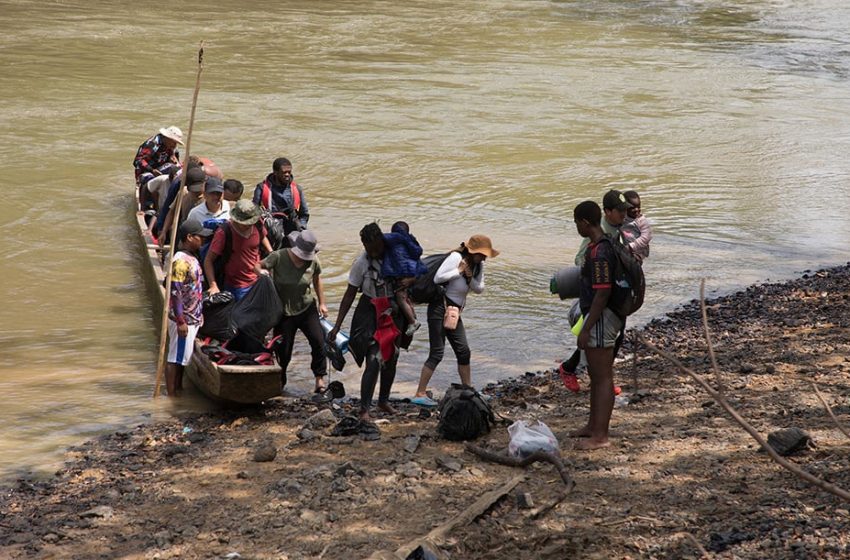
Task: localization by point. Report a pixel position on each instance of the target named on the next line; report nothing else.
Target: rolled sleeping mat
(566, 282)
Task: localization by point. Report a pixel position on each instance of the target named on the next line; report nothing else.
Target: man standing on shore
(601, 326)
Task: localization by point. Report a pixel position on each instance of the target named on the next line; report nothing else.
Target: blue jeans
(238, 293)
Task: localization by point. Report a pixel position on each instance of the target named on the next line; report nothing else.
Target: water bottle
(341, 337)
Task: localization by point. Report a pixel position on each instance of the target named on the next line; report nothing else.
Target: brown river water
(458, 117)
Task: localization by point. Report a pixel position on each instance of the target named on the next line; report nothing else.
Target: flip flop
(424, 401)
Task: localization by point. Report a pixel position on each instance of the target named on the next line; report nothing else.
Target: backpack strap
(266, 196)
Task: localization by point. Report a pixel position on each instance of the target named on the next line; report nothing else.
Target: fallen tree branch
(541, 511)
(714, 368)
(829, 410)
(437, 536)
(533, 458)
(721, 400)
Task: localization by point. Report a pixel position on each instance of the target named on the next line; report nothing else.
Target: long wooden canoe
(228, 384)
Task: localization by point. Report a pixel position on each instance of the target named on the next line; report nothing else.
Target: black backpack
(424, 290)
(221, 260)
(464, 415)
(629, 286)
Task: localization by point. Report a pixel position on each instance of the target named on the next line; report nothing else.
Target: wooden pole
(163, 332)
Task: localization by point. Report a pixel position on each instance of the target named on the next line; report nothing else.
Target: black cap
(615, 200)
(192, 226)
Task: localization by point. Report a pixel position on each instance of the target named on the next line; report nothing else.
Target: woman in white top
(461, 272)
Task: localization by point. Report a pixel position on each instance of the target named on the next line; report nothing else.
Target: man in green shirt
(296, 273)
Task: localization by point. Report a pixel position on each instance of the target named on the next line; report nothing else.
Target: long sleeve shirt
(640, 246)
(457, 284)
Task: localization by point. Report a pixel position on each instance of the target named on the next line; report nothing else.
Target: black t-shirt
(597, 272)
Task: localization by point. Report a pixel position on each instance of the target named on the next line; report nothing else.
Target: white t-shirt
(158, 187)
(365, 274)
(202, 213)
(457, 287)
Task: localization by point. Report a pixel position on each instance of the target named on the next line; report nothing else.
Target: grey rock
(321, 420)
(312, 517)
(265, 452)
(340, 485)
(348, 468)
(411, 443)
(449, 464)
(162, 538)
(409, 470)
(306, 435)
(790, 441)
(104, 512)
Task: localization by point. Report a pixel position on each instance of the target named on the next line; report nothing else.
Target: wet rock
(265, 452)
(321, 420)
(102, 512)
(770, 368)
(747, 368)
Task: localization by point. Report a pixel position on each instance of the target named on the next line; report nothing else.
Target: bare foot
(592, 443)
(385, 407)
(364, 416)
(581, 432)
(320, 385)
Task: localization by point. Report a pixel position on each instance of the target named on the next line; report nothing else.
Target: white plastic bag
(526, 439)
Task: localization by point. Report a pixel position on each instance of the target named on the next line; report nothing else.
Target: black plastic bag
(278, 226)
(217, 310)
(260, 310)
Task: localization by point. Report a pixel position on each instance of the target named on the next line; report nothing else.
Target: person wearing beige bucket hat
(244, 236)
(462, 271)
(156, 156)
(297, 275)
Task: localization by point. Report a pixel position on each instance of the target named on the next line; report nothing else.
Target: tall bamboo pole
(163, 332)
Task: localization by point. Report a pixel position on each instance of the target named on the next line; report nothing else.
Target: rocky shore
(271, 482)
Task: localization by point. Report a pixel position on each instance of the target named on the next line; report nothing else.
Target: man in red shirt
(238, 243)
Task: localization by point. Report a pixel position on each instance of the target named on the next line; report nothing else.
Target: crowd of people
(226, 243)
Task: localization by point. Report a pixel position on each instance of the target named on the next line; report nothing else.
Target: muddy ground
(679, 471)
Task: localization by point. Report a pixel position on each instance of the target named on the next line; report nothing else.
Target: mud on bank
(191, 487)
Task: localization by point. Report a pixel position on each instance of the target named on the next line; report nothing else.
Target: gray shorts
(606, 330)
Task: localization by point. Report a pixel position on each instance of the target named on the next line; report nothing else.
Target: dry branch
(829, 410)
(533, 458)
(438, 535)
(708, 343)
(721, 400)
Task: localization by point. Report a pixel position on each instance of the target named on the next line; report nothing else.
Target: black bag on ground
(260, 310)
(424, 290)
(217, 310)
(464, 414)
(629, 282)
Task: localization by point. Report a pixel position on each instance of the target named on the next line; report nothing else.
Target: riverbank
(193, 488)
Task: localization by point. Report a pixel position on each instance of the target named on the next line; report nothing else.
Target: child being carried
(400, 266)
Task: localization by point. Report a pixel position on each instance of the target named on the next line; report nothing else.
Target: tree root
(533, 458)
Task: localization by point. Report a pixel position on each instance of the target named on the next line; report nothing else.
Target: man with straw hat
(238, 244)
(156, 156)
